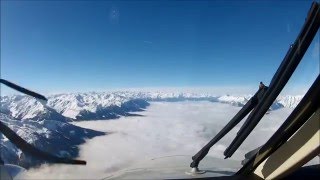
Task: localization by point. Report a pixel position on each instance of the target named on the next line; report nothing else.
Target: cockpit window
(132, 85)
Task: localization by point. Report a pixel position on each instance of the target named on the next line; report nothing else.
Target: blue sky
(67, 46)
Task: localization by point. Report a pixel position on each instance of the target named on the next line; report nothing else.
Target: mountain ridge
(112, 105)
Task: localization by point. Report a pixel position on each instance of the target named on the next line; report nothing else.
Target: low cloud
(179, 128)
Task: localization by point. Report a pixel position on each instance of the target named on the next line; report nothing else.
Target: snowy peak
(71, 105)
(290, 101)
(84, 106)
(234, 100)
(26, 107)
(31, 106)
(282, 101)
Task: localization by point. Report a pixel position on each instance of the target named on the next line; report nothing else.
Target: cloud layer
(179, 128)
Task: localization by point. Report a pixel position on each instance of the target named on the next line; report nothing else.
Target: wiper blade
(23, 90)
(245, 110)
(28, 148)
(281, 77)
(304, 110)
(21, 143)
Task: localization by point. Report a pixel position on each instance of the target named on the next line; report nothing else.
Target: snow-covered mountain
(47, 128)
(55, 137)
(64, 107)
(26, 107)
(85, 106)
(234, 100)
(111, 105)
(289, 101)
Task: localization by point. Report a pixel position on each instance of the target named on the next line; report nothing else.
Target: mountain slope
(289, 101)
(26, 107)
(87, 106)
(55, 137)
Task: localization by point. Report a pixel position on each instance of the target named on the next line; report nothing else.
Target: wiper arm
(245, 110)
(21, 143)
(28, 148)
(281, 77)
(304, 110)
(23, 90)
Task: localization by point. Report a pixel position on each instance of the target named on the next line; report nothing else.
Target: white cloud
(180, 128)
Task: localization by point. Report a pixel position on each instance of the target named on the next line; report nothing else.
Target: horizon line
(212, 90)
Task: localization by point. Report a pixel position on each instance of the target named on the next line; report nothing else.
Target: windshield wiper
(265, 100)
(304, 110)
(28, 148)
(245, 110)
(281, 77)
(25, 146)
(23, 90)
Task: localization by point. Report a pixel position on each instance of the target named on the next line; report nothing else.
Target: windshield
(144, 84)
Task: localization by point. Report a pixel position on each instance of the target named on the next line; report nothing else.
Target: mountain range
(48, 126)
(111, 105)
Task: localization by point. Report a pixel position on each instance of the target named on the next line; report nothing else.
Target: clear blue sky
(82, 45)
